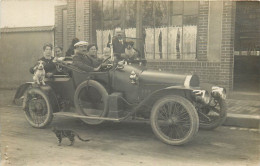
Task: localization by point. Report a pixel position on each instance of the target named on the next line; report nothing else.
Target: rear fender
(21, 90)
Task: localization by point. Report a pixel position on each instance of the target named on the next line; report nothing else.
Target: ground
(127, 143)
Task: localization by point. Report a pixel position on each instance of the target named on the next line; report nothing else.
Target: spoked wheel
(38, 110)
(213, 115)
(174, 120)
(90, 99)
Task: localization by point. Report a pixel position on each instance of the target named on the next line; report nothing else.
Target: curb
(242, 120)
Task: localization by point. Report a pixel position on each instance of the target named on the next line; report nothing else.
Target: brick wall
(227, 50)
(58, 25)
(203, 30)
(87, 20)
(71, 20)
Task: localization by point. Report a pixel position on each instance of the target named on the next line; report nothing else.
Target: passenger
(58, 52)
(49, 67)
(92, 53)
(81, 59)
(130, 52)
(118, 42)
(70, 51)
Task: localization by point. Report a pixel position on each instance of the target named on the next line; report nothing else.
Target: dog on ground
(39, 73)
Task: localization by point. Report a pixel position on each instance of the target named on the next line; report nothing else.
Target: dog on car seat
(39, 73)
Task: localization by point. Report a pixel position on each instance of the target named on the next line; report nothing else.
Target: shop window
(170, 28)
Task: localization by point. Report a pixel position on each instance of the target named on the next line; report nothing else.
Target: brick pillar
(227, 45)
(58, 25)
(202, 30)
(87, 20)
(71, 21)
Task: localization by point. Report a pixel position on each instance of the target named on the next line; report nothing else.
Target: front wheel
(174, 120)
(38, 109)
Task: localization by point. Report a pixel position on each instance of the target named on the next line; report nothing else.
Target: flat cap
(81, 43)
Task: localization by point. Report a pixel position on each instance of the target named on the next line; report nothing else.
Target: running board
(75, 115)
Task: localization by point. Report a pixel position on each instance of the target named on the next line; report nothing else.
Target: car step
(75, 115)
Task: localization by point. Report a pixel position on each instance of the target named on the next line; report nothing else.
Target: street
(125, 143)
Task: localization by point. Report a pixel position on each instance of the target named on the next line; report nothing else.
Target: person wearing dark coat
(70, 51)
(49, 67)
(119, 44)
(82, 60)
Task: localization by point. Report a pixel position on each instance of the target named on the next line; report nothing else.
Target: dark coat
(85, 63)
(49, 66)
(118, 47)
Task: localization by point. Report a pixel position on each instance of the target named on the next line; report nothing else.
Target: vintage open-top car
(174, 103)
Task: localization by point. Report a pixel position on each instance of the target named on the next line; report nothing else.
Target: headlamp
(218, 92)
(202, 96)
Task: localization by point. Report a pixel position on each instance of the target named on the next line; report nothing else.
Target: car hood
(148, 77)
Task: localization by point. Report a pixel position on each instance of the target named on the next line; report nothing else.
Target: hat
(129, 42)
(81, 43)
(119, 32)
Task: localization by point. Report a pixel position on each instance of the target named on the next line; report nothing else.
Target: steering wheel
(106, 64)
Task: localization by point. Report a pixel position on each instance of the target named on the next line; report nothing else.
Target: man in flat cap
(119, 43)
(81, 59)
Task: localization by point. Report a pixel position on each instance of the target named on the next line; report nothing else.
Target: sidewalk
(242, 110)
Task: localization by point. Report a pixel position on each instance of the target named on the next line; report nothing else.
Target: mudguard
(172, 90)
(21, 90)
(47, 89)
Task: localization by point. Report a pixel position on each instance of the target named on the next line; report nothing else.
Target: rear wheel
(174, 120)
(38, 110)
(90, 99)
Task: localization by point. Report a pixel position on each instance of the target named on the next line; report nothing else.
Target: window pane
(148, 20)
(118, 8)
(149, 43)
(190, 20)
(161, 35)
(174, 42)
(189, 42)
(97, 10)
(130, 15)
(161, 13)
(191, 8)
(176, 8)
(176, 20)
(108, 9)
(96, 18)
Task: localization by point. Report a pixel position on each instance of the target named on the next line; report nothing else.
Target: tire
(91, 99)
(213, 117)
(38, 108)
(166, 123)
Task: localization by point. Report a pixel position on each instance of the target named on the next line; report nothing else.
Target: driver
(82, 60)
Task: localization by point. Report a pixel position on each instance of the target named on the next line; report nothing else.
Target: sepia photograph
(130, 82)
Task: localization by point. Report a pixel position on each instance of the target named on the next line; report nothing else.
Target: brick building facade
(214, 32)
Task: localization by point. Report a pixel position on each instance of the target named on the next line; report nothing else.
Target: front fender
(183, 91)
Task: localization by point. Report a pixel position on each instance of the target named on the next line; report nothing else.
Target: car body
(174, 103)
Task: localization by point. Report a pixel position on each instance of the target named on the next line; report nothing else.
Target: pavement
(243, 109)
